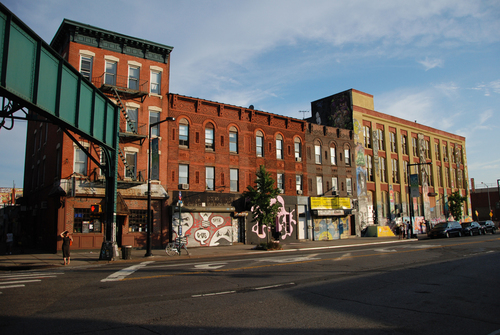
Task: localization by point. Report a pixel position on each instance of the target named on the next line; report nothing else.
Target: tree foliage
(455, 201)
(260, 198)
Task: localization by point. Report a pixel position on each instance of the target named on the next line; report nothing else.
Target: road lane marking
(210, 266)
(120, 275)
(211, 294)
(11, 286)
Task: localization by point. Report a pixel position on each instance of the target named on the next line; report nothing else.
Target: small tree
(455, 201)
(260, 198)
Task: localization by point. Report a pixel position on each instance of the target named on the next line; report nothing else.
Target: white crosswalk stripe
(16, 280)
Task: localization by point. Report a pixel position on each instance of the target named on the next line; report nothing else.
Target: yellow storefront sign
(330, 203)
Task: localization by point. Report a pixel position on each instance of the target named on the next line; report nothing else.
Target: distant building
(387, 150)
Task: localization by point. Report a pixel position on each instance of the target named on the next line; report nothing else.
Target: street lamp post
(149, 227)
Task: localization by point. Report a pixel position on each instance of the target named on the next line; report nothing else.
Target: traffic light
(95, 209)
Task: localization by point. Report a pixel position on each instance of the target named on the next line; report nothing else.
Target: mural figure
(205, 228)
(361, 181)
(282, 218)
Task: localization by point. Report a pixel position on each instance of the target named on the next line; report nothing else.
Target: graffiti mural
(328, 228)
(334, 111)
(284, 221)
(205, 229)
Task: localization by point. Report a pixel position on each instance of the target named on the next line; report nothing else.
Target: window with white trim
(155, 82)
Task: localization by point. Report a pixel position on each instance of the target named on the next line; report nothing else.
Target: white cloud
(431, 63)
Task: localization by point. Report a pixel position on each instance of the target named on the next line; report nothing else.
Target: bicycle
(174, 248)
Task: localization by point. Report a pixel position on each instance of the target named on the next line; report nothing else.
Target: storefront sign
(330, 203)
(329, 212)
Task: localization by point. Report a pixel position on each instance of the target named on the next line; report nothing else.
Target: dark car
(446, 229)
(488, 226)
(471, 228)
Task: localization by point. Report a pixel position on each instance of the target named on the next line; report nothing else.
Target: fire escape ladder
(127, 167)
(124, 110)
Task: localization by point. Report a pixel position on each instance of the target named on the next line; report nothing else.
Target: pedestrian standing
(67, 241)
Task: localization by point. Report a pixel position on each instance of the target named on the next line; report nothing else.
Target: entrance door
(302, 225)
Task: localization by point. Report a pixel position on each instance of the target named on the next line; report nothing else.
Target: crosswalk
(21, 279)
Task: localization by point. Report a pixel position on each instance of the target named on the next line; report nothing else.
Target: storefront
(331, 218)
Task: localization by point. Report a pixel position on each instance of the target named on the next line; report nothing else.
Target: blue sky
(436, 62)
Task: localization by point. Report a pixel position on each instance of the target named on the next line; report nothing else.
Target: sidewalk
(79, 258)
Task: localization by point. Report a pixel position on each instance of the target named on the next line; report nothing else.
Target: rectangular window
(183, 174)
(369, 168)
(414, 146)
(404, 145)
(319, 185)
(333, 157)
(137, 220)
(280, 181)
(133, 77)
(210, 177)
(83, 223)
(233, 175)
(348, 183)
(153, 118)
(335, 186)
(86, 67)
(383, 178)
(131, 169)
(110, 75)
(133, 115)
(436, 151)
(405, 172)
(317, 154)
(395, 172)
(367, 133)
(393, 142)
(381, 142)
(233, 142)
(80, 162)
(298, 182)
(156, 82)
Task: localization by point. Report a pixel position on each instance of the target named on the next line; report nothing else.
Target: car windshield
(441, 225)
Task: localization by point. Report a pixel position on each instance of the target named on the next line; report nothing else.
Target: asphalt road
(438, 286)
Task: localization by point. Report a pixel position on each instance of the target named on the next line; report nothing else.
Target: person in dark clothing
(67, 240)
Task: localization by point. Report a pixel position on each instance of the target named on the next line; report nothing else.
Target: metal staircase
(124, 110)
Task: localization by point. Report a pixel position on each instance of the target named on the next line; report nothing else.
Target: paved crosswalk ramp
(21, 279)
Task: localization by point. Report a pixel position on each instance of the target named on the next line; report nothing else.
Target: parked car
(446, 229)
(471, 228)
(488, 226)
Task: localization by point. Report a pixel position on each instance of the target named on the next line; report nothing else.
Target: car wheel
(459, 234)
(471, 233)
(493, 231)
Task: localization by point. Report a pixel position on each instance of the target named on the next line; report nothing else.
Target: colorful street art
(205, 229)
(334, 111)
(284, 221)
(328, 228)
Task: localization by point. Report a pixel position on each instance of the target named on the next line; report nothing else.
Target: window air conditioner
(299, 192)
(281, 190)
(298, 159)
(184, 186)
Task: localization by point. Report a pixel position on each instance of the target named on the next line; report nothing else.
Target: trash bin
(126, 251)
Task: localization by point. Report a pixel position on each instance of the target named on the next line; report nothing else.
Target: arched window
(347, 154)
(233, 139)
(184, 133)
(209, 137)
(317, 152)
(279, 146)
(298, 149)
(259, 144)
(333, 154)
